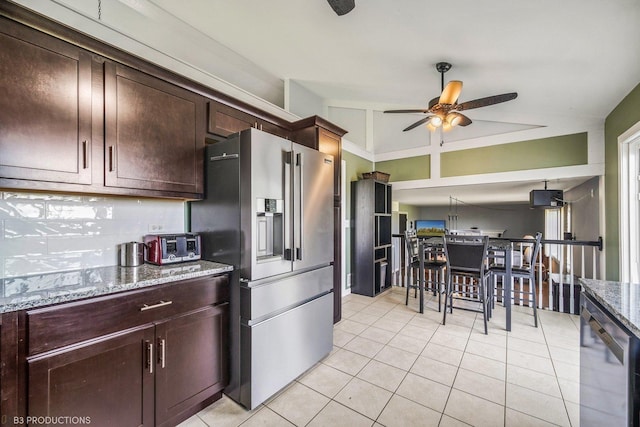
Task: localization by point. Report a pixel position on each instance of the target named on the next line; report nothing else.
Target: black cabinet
(371, 237)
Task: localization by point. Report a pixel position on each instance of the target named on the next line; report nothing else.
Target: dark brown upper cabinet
(45, 107)
(154, 133)
(224, 120)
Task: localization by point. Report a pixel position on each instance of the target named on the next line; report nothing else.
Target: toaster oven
(162, 249)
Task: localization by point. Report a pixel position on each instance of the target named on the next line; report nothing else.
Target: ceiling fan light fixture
(453, 119)
(436, 121)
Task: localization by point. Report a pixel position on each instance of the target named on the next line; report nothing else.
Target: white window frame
(553, 229)
(629, 209)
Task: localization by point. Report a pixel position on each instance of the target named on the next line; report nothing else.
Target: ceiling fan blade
(489, 100)
(418, 123)
(434, 102)
(451, 92)
(406, 111)
(464, 120)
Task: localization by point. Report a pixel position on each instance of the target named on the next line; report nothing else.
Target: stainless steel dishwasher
(608, 369)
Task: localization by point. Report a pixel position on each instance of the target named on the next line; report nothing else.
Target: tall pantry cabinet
(371, 237)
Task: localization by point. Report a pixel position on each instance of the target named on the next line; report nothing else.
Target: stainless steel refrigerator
(268, 211)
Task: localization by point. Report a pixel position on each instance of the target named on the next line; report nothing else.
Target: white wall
(301, 101)
(42, 232)
(584, 223)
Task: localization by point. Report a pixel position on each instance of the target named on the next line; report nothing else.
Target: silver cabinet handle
(161, 352)
(149, 362)
(85, 155)
(146, 307)
(111, 159)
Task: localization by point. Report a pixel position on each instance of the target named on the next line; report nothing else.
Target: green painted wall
(413, 212)
(418, 167)
(355, 166)
(625, 115)
(566, 150)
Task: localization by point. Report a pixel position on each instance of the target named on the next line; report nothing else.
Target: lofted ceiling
(570, 61)
(574, 58)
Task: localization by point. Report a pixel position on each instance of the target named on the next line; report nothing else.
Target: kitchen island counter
(27, 292)
(620, 299)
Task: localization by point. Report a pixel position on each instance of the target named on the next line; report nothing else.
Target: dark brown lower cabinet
(191, 361)
(142, 358)
(108, 381)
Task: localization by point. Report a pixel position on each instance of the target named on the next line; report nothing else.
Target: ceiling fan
(445, 111)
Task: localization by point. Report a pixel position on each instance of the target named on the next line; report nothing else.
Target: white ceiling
(575, 58)
(571, 61)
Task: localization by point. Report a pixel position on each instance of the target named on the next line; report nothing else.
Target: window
(553, 231)
(629, 161)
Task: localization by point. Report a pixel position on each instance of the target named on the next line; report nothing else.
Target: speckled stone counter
(622, 300)
(21, 293)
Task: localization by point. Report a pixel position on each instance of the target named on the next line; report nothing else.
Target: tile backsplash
(43, 233)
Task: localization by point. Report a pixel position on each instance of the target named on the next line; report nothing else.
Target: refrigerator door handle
(300, 165)
(288, 208)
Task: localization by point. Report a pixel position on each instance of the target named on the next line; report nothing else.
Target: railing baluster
(540, 280)
(551, 284)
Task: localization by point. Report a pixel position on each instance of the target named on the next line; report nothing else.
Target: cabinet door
(45, 107)
(225, 120)
(273, 129)
(192, 360)
(154, 133)
(109, 380)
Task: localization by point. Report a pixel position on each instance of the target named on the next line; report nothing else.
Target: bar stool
(466, 257)
(526, 271)
(432, 264)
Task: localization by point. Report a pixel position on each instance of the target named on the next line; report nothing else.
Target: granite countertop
(21, 293)
(621, 299)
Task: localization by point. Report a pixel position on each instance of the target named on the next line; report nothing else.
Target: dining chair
(432, 264)
(526, 271)
(465, 258)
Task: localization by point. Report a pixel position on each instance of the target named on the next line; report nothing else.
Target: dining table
(497, 248)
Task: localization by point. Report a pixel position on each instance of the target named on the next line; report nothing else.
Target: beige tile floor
(391, 366)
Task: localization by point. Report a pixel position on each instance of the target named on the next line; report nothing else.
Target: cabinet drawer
(60, 325)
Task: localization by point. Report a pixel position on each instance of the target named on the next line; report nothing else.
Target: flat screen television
(430, 227)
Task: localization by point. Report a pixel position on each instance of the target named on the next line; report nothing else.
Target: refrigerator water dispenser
(269, 229)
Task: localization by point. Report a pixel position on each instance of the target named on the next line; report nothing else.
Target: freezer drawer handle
(605, 336)
(224, 156)
(146, 307)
